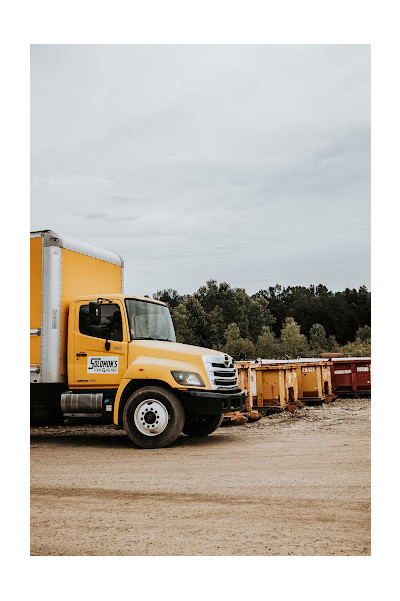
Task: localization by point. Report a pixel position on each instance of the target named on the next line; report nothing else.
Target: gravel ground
(289, 484)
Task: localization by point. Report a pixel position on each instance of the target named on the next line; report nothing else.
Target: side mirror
(95, 313)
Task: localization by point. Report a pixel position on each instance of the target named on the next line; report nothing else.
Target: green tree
(293, 343)
(236, 346)
(345, 316)
(216, 329)
(194, 326)
(180, 317)
(341, 313)
(267, 346)
(169, 296)
(317, 339)
(191, 322)
(249, 313)
(358, 348)
(332, 345)
(364, 333)
(259, 316)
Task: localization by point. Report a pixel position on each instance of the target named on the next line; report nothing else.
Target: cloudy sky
(246, 164)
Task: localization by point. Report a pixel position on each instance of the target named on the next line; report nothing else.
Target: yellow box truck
(98, 352)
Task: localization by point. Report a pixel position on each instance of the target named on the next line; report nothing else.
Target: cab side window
(110, 327)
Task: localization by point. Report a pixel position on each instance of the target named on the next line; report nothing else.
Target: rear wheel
(153, 417)
(203, 426)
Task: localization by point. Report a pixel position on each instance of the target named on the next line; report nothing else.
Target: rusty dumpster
(351, 376)
(327, 382)
(246, 381)
(269, 385)
(313, 379)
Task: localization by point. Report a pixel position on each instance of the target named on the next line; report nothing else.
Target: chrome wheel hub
(151, 417)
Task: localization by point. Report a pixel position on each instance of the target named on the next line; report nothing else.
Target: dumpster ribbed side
(351, 376)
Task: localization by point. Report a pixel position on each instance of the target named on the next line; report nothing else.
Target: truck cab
(124, 364)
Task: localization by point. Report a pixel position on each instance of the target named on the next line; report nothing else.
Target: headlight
(187, 378)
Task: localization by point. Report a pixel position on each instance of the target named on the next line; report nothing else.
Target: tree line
(276, 323)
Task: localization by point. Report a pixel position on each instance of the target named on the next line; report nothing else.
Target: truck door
(94, 365)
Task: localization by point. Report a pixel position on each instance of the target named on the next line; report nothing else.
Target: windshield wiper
(151, 338)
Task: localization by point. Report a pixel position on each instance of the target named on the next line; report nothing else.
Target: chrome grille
(221, 372)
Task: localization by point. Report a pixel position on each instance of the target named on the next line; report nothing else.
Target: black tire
(203, 426)
(153, 417)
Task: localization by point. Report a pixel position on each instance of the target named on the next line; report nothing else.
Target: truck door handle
(81, 354)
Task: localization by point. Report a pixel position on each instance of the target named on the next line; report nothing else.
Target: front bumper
(209, 402)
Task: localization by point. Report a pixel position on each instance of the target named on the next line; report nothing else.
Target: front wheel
(203, 426)
(153, 417)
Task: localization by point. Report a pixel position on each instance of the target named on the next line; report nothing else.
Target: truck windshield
(149, 321)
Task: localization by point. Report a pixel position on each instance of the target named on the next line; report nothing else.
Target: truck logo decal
(102, 365)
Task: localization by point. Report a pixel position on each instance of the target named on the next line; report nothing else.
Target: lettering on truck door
(95, 366)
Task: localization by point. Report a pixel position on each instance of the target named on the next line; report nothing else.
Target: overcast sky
(246, 164)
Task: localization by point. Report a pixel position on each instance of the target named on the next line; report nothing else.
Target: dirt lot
(289, 484)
